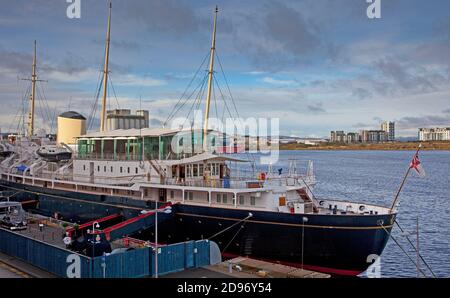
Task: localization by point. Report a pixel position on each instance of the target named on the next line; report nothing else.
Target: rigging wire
(95, 104)
(185, 91)
(114, 92)
(41, 110)
(96, 94)
(199, 101)
(55, 111)
(187, 99)
(254, 165)
(20, 110)
(43, 106)
(52, 115)
(21, 125)
(108, 102)
(40, 98)
(228, 86)
(223, 98)
(195, 105)
(215, 103)
(199, 87)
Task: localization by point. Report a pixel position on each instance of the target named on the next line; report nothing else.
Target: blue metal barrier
(59, 261)
(201, 253)
(132, 263)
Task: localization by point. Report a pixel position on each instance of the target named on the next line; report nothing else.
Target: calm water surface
(374, 177)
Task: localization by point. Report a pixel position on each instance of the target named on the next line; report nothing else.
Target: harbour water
(374, 177)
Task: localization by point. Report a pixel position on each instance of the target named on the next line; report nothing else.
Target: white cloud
(134, 80)
(274, 81)
(92, 75)
(255, 72)
(85, 75)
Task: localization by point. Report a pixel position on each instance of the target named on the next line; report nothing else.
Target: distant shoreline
(389, 146)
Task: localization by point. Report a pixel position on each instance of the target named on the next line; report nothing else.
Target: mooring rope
(225, 248)
(410, 242)
(224, 230)
(14, 194)
(404, 251)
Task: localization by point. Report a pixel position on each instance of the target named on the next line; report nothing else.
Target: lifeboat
(54, 153)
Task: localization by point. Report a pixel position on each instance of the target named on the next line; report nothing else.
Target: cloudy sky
(318, 65)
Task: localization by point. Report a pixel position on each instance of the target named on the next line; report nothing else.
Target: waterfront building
(389, 127)
(434, 134)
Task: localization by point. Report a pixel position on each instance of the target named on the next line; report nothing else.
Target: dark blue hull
(336, 244)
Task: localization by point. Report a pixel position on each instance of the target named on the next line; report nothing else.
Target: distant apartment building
(352, 137)
(341, 137)
(434, 134)
(338, 136)
(373, 136)
(389, 127)
(364, 136)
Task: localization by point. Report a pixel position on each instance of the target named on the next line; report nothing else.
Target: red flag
(415, 164)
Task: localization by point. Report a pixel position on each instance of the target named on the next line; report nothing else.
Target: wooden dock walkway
(243, 267)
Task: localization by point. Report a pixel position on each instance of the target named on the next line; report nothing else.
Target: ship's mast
(210, 82)
(105, 73)
(33, 95)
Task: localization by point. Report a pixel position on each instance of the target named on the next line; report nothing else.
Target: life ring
(263, 176)
(362, 207)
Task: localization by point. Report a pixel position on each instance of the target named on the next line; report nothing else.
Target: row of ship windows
(108, 190)
(148, 194)
(223, 198)
(121, 169)
(220, 198)
(196, 170)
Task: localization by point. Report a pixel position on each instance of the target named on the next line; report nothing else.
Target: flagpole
(403, 183)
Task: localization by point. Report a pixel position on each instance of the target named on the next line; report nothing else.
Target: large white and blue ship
(262, 215)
